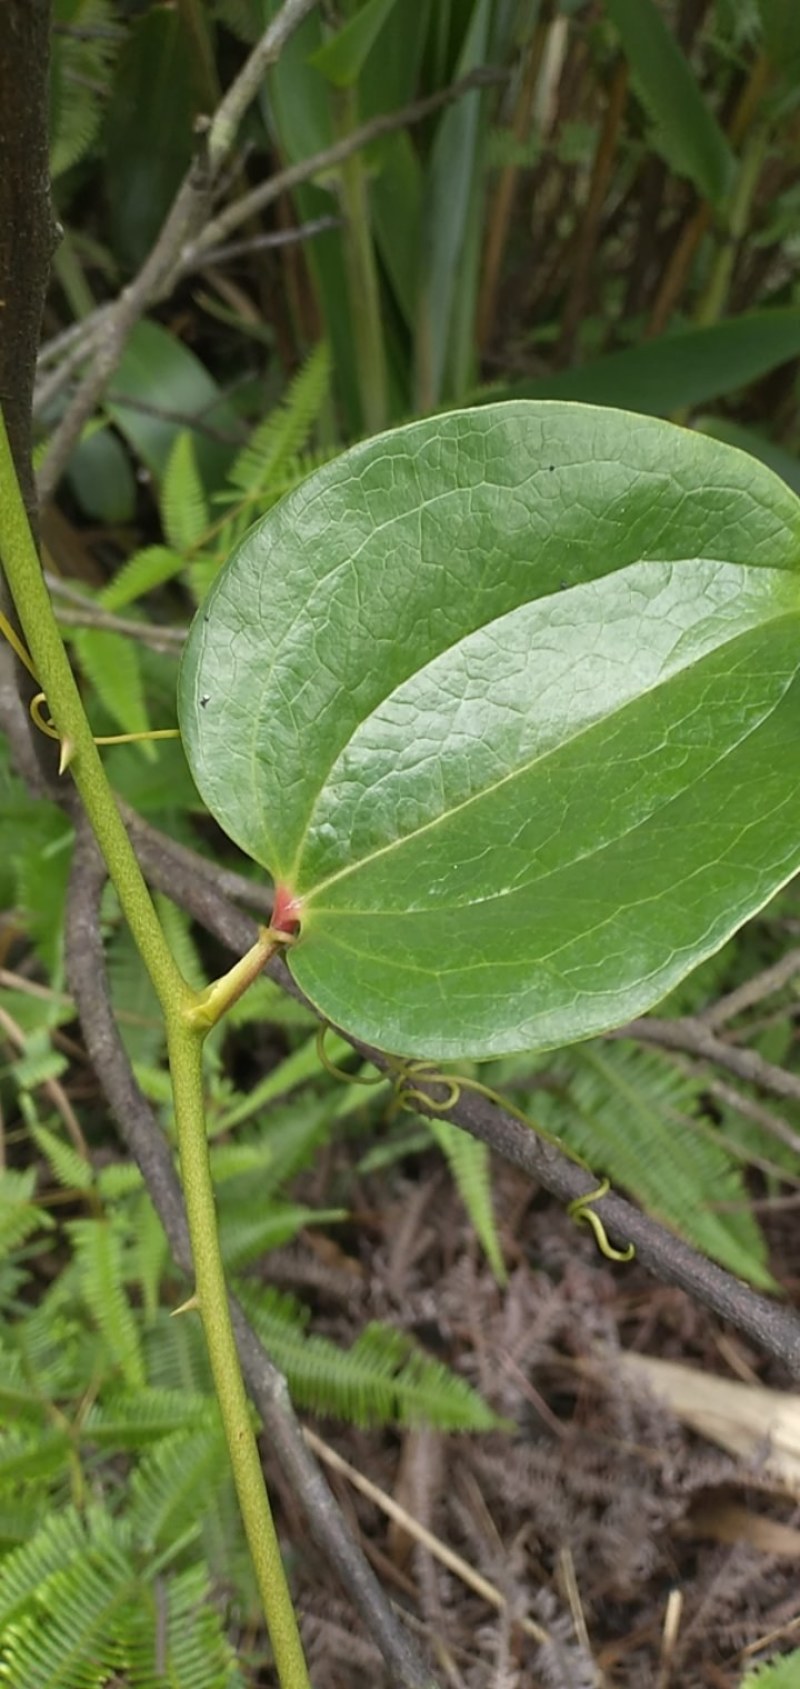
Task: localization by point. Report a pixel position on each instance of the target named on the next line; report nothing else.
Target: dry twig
(186, 217)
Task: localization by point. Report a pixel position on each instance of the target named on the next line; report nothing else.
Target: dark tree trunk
(27, 239)
(27, 230)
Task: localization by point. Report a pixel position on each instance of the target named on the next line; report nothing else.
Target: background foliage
(611, 215)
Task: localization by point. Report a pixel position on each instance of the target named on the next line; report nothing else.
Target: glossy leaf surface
(508, 700)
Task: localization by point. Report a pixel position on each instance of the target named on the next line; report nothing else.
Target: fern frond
(52, 1340)
(133, 1419)
(286, 430)
(80, 65)
(403, 1140)
(177, 929)
(177, 1358)
(140, 574)
(38, 1062)
(101, 1273)
(118, 1179)
(69, 1168)
(77, 1612)
(249, 505)
(112, 665)
(239, 1160)
(184, 510)
(783, 1673)
(149, 1255)
(20, 1521)
(155, 1082)
(19, 1398)
(41, 870)
(134, 1000)
(179, 1640)
(173, 1487)
(246, 1234)
(28, 1456)
(280, 1145)
(295, 1069)
(67, 1635)
(201, 571)
(383, 1379)
(29, 1567)
(470, 1165)
(19, 1215)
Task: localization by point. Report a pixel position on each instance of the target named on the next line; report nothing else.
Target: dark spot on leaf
(551, 467)
(206, 617)
(563, 586)
(203, 702)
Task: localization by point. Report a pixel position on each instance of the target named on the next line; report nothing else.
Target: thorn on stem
(186, 1307)
(66, 754)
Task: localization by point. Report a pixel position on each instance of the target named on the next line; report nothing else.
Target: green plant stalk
(715, 295)
(185, 1046)
(185, 1042)
(362, 277)
(23, 573)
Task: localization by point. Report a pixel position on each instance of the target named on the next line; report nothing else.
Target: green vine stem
(179, 1005)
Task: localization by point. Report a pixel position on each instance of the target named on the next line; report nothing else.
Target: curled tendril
(410, 1075)
(408, 1078)
(407, 1094)
(581, 1212)
(339, 1072)
(46, 725)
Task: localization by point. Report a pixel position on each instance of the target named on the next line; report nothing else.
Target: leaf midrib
(524, 768)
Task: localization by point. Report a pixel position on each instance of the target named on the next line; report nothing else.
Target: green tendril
(340, 1073)
(409, 1075)
(581, 1212)
(45, 725)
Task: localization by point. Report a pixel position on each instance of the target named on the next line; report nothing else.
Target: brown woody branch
(329, 159)
(694, 1037)
(771, 1327)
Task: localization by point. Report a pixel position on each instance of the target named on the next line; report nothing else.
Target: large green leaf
(507, 700)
